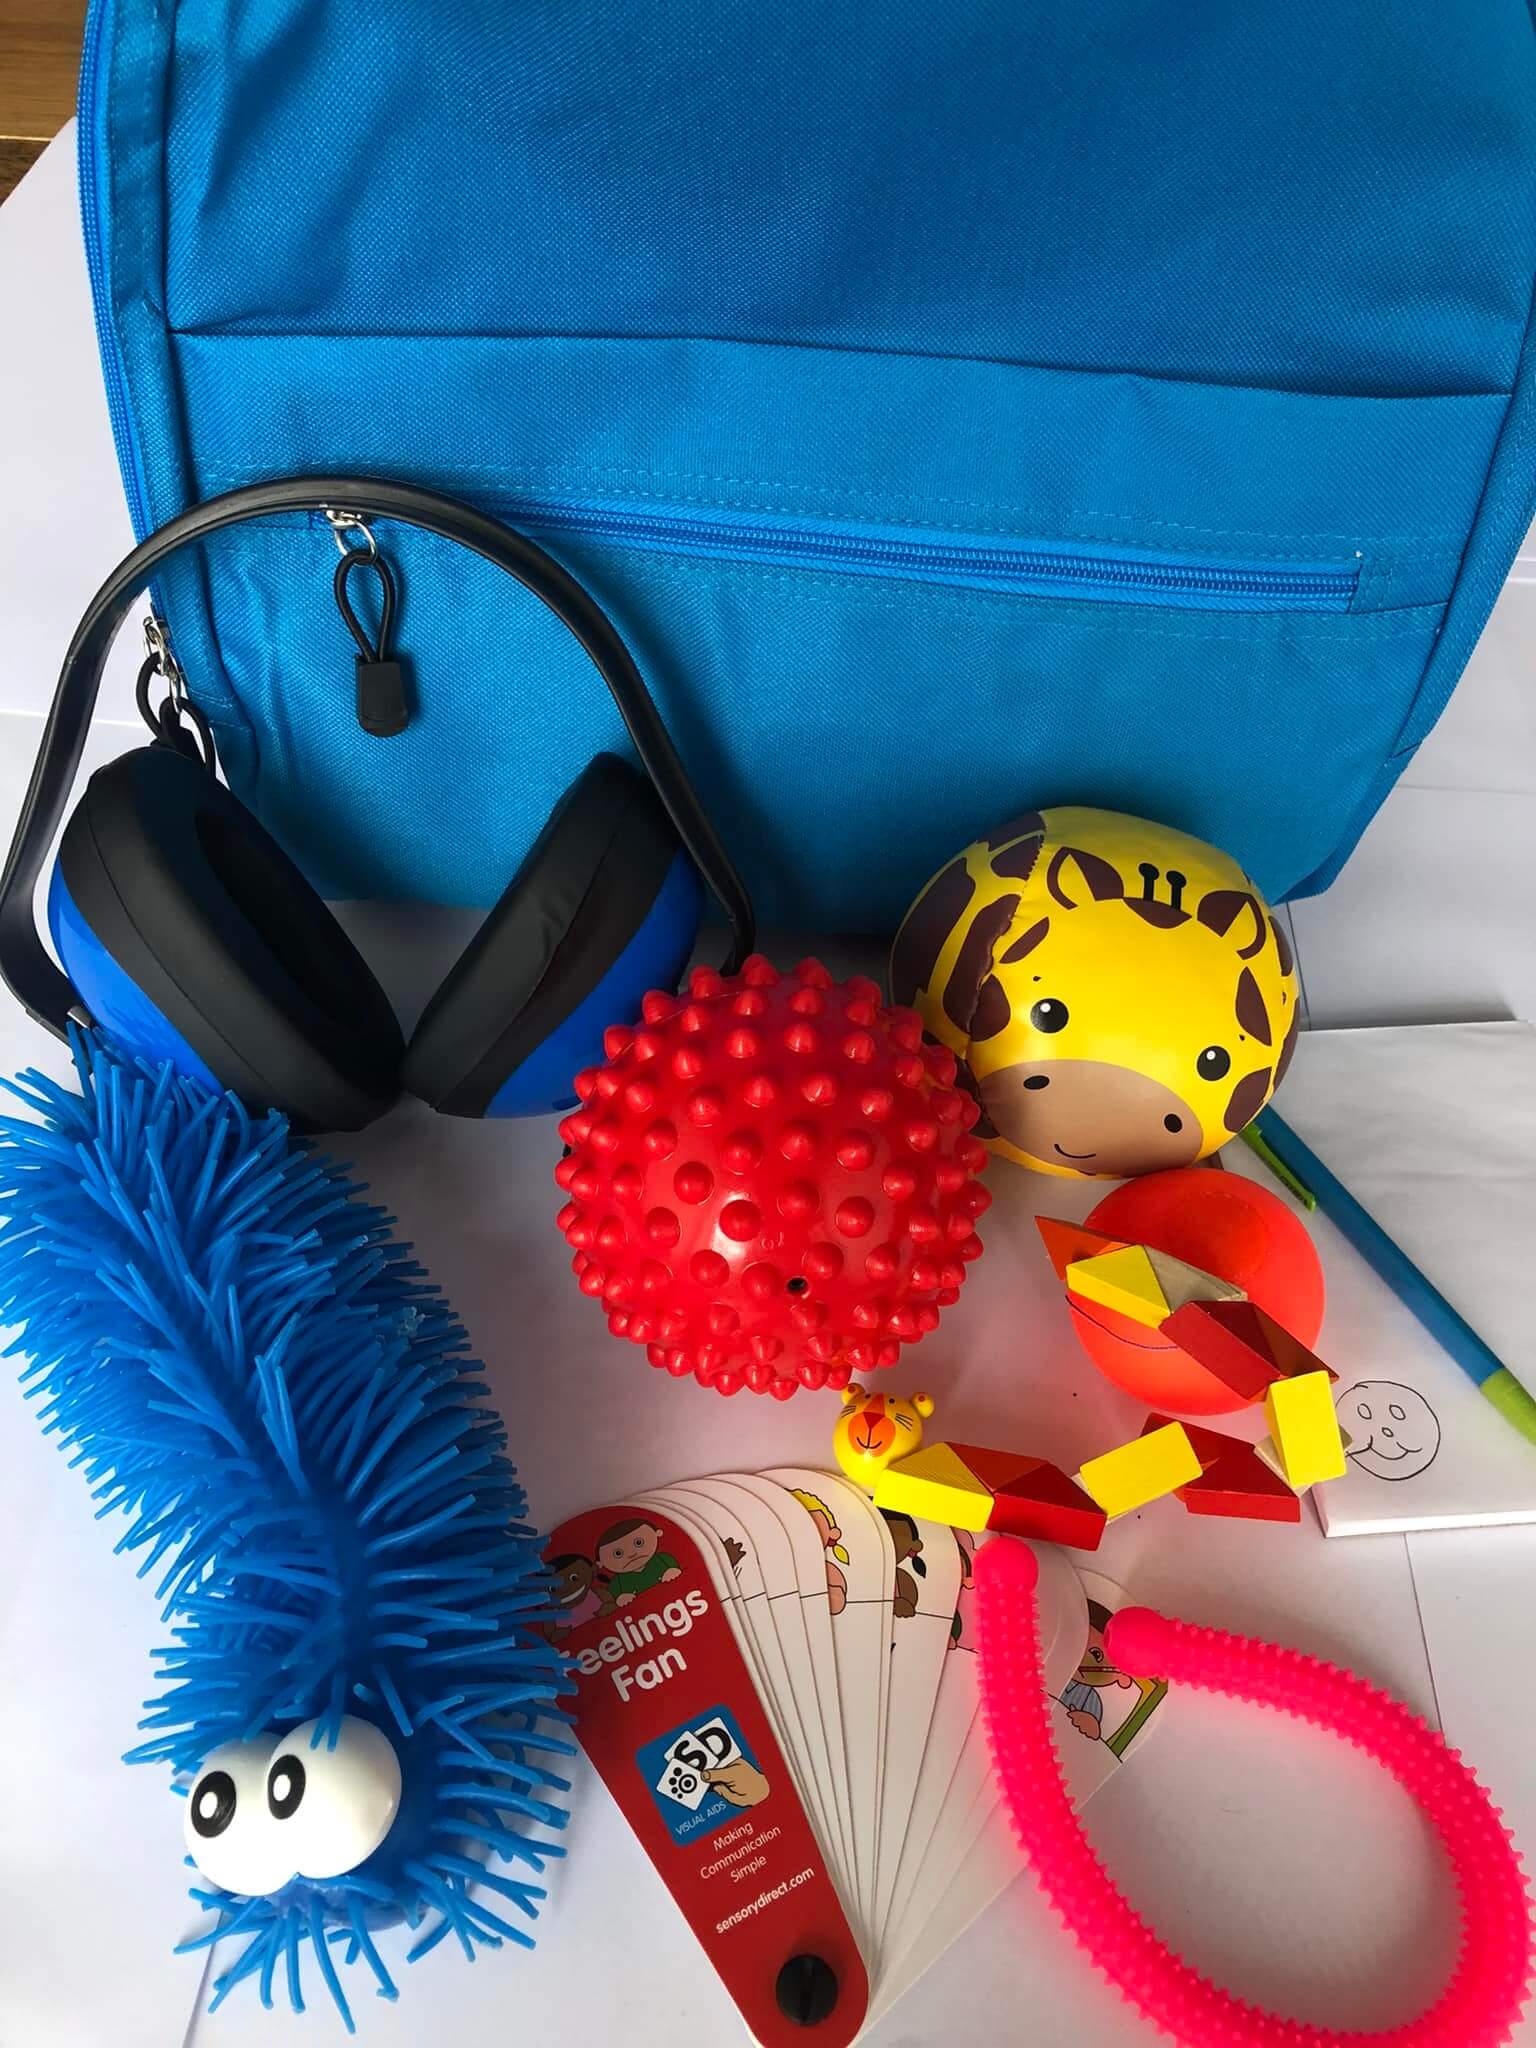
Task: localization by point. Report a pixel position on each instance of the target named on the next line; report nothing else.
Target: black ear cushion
(579, 897)
(201, 907)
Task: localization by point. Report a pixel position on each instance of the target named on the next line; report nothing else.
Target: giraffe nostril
(1037, 1081)
(1172, 1122)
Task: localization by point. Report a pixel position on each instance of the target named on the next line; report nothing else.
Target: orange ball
(1225, 1225)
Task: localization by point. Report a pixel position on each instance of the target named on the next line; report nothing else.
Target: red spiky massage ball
(772, 1180)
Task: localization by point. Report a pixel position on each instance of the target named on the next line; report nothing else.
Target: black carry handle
(25, 966)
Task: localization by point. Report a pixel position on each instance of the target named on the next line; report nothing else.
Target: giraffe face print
(1119, 995)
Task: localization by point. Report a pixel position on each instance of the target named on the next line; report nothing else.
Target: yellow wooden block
(1142, 1470)
(1122, 1280)
(1305, 1429)
(1269, 1451)
(936, 1484)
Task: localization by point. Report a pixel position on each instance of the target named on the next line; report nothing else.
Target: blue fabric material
(654, 958)
(1249, 284)
(137, 1027)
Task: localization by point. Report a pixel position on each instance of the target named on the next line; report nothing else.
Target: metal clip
(162, 662)
(177, 723)
(343, 523)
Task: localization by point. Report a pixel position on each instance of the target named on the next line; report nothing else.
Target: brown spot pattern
(963, 989)
(925, 928)
(1026, 825)
(1289, 1047)
(1104, 880)
(1162, 916)
(1028, 943)
(992, 1011)
(1247, 1099)
(1017, 862)
(1251, 1013)
(1282, 946)
(1220, 910)
(964, 1078)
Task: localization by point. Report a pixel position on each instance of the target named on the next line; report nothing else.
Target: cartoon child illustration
(965, 1543)
(909, 1551)
(1081, 1695)
(579, 1593)
(832, 1542)
(630, 1554)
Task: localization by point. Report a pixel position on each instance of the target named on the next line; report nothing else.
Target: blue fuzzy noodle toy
(244, 1361)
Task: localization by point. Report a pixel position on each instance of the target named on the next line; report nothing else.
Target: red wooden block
(1065, 1243)
(1288, 1352)
(995, 1468)
(1047, 1506)
(1245, 1348)
(1242, 1487)
(1228, 1338)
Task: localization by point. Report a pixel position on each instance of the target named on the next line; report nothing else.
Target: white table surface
(1278, 1863)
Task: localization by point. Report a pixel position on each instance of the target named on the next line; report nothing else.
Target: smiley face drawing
(1396, 1433)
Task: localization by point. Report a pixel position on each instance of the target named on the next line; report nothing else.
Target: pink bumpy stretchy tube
(1483, 1999)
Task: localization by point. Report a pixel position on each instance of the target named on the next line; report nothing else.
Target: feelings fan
(777, 1683)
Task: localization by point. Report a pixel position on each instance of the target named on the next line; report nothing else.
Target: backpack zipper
(1025, 568)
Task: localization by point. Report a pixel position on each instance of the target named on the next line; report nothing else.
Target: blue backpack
(959, 409)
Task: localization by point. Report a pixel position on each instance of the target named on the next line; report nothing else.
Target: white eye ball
(228, 1832)
(332, 1807)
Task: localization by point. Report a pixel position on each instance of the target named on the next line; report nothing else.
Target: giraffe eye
(1049, 1014)
(1213, 1063)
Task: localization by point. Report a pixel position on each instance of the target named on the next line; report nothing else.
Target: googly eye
(332, 1806)
(226, 1827)
(1049, 1014)
(1214, 1063)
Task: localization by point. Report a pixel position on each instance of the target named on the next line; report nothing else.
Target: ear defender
(185, 933)
(605, 906)
(190, 936)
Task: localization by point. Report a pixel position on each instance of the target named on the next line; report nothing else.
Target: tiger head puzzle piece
(875, 1429)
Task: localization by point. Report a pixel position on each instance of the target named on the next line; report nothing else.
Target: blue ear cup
(189, 935)
(605, 906)
(654, 958)
(110, 995)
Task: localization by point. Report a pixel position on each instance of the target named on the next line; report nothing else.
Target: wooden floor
(39, 58)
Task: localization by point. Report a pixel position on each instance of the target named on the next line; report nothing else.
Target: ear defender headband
(186, 933)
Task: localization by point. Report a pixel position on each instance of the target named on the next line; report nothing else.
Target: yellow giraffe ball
(1118, 993)
(876, 1429)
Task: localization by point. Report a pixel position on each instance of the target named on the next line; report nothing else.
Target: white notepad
(1386, 1110)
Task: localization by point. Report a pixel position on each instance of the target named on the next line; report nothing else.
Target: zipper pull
(383, 708)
